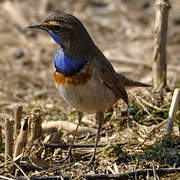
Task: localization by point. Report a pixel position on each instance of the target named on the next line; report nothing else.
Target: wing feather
(108, 76)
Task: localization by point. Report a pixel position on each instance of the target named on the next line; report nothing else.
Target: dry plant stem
(35, 124)
(151, 105)
(22, 138)
(68, 127)
(151, 133)
(172, 112)
(18, 115)
(9, 138)
(145, 109)
(154, 173)
(5, 178)
(65, 146)
(1, 136)
(159, 67)
(54, 137)
(127, 175)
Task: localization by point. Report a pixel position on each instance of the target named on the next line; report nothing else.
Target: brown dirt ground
(123, 30)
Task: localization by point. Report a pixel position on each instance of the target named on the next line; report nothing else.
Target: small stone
(18, 54)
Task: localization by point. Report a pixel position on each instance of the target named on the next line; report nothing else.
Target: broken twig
(66, 146)
(66, 126)
(172, 112)
(22, 139)
(9, 122)
(35, 124)
(18, 115)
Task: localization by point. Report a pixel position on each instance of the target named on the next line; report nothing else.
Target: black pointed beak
(37, 26)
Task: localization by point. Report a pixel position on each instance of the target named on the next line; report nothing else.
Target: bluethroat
(83, 76)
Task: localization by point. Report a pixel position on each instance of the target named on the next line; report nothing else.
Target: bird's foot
(90, 165)
(91, 162)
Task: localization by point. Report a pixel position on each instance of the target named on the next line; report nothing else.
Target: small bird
(83, 76)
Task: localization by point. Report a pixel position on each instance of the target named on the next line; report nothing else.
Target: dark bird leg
(80, 115)
(99, 118)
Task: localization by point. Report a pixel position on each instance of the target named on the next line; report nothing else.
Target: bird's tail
(130, 83)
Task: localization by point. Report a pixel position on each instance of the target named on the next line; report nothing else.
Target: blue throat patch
(55, 37)
(66, 65)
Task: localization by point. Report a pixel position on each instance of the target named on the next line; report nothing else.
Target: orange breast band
(77, 79)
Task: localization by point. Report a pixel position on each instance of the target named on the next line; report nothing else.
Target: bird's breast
(85, 91)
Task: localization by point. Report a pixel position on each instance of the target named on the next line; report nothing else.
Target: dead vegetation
(132, 138)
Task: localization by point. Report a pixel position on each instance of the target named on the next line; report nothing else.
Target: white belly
(92, 97)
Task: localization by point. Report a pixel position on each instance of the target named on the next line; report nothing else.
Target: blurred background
(122, 29)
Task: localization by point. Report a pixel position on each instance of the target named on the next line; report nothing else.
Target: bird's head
(66, 30)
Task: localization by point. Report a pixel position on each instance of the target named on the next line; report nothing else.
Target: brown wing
(109, 77)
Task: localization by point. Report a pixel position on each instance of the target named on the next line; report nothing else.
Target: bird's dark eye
(56, 28)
